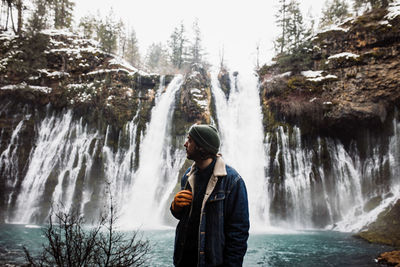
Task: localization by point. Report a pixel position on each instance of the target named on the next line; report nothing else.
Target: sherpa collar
(219, 170)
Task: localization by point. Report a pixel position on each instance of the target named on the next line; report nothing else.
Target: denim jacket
(224, 218)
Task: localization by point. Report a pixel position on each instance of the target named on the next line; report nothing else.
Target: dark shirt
(190, 254)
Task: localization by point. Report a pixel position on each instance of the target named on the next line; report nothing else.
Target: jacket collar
(219, 170)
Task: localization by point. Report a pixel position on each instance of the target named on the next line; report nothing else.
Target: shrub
(72, 244)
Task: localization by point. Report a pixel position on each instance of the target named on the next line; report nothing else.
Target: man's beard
(194, 155)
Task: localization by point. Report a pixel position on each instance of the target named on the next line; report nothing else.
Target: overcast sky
(238, 26)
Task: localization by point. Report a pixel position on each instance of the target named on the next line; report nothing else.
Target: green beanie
(205, 136)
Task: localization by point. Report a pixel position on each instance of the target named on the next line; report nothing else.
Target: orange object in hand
(182, 199)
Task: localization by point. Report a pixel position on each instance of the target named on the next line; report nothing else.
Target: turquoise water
(309, 248)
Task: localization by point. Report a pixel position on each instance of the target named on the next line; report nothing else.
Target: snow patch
(56, 32)
(54, 73)
(332, 28)
(385, 23)
(316, 75)
(312, 73)
(198, 98)
(101, 71)
(319, 79)
(347, 55)
(202, 103)
(123, 63)
(75, 86)
(23, 85)
(393, 10)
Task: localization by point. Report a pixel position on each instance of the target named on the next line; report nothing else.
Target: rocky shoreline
(390, 258)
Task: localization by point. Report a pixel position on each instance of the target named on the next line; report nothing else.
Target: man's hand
(182, 199)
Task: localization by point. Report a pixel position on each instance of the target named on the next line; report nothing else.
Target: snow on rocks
(199, 98)
(278, 76)
(123, 63)
(317, 75)
(393, 10)
(312, 73)
(346, 55)
(24, 86)
(54, 74)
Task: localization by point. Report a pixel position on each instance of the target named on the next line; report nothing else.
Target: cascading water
(291, 183)
(118, 166)
(240, 126)
(155, 178)
(9, 158)
(60, 158)
(327, 185)
(359, 218)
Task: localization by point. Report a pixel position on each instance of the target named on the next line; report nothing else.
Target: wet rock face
(74, 73)
(225, 81)
(71, 74)
(386, 229)
(355, 80)
(193, 102)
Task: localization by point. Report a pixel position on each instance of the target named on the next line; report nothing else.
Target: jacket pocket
(219, 196)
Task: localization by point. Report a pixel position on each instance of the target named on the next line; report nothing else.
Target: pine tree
(63, 12)
(87, 25)
(295, 27)
(358, 4)
(176, 45)
(130, 51)
(107, 32)
(156, 58)
(334, 12)
(38, 19)
(196, 51)
(294, 42)
(282, 21)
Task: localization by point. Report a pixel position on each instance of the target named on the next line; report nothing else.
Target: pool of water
(303, 248)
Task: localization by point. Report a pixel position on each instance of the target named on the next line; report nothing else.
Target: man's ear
(200, 149)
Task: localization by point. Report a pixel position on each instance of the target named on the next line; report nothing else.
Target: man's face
(191, 148)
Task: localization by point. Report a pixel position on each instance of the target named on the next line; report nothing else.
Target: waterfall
(9, 158)
(240, 126)
(155, 178)
(354, 222)
(292, 181)
(60, 159)
(327, 185)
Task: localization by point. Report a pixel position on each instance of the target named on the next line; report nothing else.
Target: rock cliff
(354, 80)
(68, 73)
(45, 77)
(350, 95)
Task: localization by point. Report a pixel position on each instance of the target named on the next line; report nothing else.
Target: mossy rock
(386, 229)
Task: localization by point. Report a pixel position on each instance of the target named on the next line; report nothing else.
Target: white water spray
(358, 219)
(240, 126)
(154, 178)
(61, 151)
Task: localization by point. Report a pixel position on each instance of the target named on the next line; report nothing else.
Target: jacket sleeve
(178, 215)
(236, 225)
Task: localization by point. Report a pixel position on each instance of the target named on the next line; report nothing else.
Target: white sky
(238, 26)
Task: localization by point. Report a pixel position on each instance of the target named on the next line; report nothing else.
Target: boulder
(390, 258)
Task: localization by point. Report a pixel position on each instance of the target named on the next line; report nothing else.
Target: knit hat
(205, 136)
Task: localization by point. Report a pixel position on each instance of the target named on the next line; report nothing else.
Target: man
(212, 206)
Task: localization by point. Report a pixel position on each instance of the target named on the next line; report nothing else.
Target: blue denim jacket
(224, 220)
